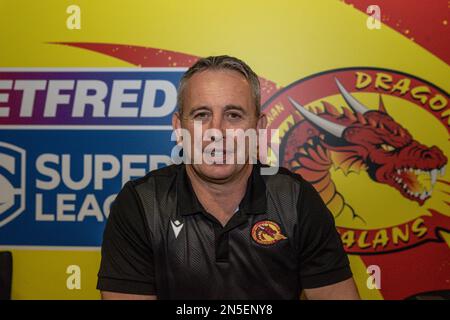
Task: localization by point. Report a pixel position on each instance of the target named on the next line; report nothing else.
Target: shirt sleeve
(323, 260)
(127, 259)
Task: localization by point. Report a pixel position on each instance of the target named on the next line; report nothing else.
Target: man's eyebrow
(235, 107)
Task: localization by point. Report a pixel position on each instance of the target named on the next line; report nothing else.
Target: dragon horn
(330, 127)
(351, 101)
(381, 107)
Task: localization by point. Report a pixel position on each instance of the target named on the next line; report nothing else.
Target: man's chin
(217, 171)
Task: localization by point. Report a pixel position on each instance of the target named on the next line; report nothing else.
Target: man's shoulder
(284, 176)
(156, 181)
(286, 184)
(165, 173)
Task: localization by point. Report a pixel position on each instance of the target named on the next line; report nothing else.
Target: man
(221, 230)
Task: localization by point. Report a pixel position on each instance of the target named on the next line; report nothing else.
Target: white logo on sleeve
(176, 226)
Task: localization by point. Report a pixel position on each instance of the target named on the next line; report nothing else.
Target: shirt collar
(254, 201)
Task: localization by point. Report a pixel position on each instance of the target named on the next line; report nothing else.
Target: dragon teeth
(433, 176)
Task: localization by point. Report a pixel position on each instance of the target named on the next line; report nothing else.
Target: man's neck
(220, 198)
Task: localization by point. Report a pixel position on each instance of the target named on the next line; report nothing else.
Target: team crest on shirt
(267, 232)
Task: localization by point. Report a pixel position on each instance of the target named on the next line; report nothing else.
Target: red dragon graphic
(357, 139)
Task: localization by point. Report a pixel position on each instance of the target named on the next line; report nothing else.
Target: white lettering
(5, 85)
(54, 96)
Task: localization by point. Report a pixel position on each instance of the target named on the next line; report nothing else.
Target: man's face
(219, 99)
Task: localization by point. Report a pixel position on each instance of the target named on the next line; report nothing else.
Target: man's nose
(217, 122)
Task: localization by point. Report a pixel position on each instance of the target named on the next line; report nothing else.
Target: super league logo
(12, 182)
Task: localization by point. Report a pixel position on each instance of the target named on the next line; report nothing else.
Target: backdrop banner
(88, 89)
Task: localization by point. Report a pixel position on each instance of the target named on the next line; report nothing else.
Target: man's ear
(262, 121)
(176, 120)
(176, 123)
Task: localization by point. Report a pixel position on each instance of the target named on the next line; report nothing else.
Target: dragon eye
(387, 147)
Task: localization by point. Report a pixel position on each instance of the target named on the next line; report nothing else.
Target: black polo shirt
(159, 240)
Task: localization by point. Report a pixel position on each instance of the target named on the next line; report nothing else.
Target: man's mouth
(417, 183)
(220, 152)
(219, 156)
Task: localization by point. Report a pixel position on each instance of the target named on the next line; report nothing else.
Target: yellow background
(282, 40)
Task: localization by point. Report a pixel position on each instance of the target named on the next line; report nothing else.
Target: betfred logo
(12, 182)
(88, 96)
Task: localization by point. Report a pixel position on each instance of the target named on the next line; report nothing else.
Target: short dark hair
(222, 62)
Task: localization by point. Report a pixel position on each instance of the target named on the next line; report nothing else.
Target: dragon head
(371, 139)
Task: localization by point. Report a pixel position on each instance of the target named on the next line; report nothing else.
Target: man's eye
(201, 115)
(234, 116)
